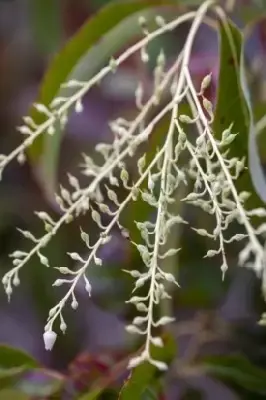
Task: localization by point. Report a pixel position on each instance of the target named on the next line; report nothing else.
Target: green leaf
(233, 106)
(104, 393)
(250, 15)
(150, 393)
(11, 394)
(11, 357)
(259, 113)
(140, 209)
(99, 38)
(142, 376)
(140, 384)
(43, 14)
(8, 377)
(13, 363)
(238, 370)
(40, 382)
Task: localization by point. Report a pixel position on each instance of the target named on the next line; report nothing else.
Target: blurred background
(215, 318)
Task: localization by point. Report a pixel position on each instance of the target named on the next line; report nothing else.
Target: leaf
(13, 363)
(142, 376)
(140, 209)
(233, 106)
(238, 370)
(11, 357)
(259, 114)
(43, 14)
(94, 394)
(97, 40)
(255, 165)
(150, 394)
(250, 15)
(9, 376)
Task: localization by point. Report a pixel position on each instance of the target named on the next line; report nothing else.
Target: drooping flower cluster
(203, 160)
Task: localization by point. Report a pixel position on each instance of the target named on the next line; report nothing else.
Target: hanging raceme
(209, 167)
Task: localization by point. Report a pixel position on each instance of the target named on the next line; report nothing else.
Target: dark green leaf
(142, 376)
(259, 113)
(237, 370)
(11, 358)
(11, 394)
(233, 106)
(140, 209)
(8, 377)
(250, 15)
(83, 56)
(43, 14)
(104, 393)
(141, 381)
(149, 394)
(13, 363)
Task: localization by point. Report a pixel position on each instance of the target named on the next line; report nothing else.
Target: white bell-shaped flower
(49, 338)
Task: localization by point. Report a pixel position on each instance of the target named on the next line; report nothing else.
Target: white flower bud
(58, 282)
(18, 254)
(16, 280)
(205, 82)
(88, 287)
(44, 260)
(164, 321)
(159, 364)
(51, 130)
(78, 107)
(160, 20)
(49, 338)
(141, 307)
(65, 270)
(8, 290)
(211, 253)
(5, 279)
(63, 327)
(207, 105)
(98, 261)
(157, 341)
(185, 119)
(21, 158)
(113, 64)
(74, 304)
(24, 130)
(144, 55)
(42, 109)
(134, 362)
(75, 257)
